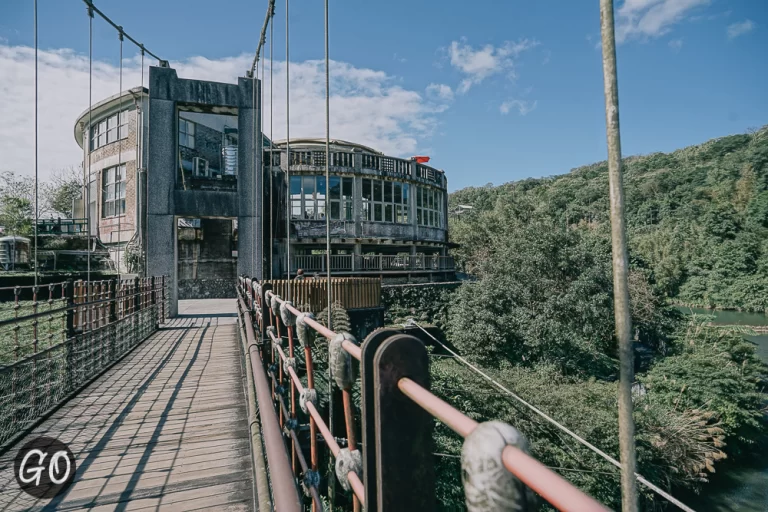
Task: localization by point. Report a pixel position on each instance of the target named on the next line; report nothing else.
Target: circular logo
(44, 467)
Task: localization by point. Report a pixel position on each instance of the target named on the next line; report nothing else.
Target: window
(109, 130)
(370, 161)
(186, 133)
(341, 198)
(308, 196)
(342, 159)
(113, 191)
(429, 207)
(385, 201)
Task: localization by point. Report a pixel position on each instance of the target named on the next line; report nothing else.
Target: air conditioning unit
(200, 167)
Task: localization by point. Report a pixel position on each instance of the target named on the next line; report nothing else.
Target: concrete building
(388, 216)
(113, 160)
(177, 187)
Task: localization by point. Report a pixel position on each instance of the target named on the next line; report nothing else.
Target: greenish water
(743, 489)
(737, 318)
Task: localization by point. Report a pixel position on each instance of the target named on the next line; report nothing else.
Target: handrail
(285, 496)
(555, 489)
(558, 491)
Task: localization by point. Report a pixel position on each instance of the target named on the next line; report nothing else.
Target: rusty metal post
(620, 261)
(405, 476)
(368, 392)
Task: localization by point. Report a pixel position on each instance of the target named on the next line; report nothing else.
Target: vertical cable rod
(254, 78)
(620, 261)
(118, 200)
(37, 209)
(287, 153)
(261, 170)
(272, 143)
(87, 179)
(327, 169)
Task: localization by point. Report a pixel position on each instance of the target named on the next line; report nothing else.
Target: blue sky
(492, 91)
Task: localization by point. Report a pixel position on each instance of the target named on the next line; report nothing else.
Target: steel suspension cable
(254, 78)
(554, 422)
(263, 166)
(37, 209)
(328, 207)
(118, 200)
(86, 180)
(287, 153)
(271, 143)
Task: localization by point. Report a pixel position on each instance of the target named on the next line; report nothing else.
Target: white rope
(581, 440)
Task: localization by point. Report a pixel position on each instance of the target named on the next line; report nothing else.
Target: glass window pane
(367, 189)
(348, 210)
(295, 209)
(419, 216)
(377, 190)
(388, 213)
(366, 210)
(295, 186)
(399, 213)
(102, 127)
(110, 209)
(387, 191)
(102, 139)
(406, 192)
(191, 128)
(335, 210)
(321, 187)
(309, 186)
(347, 192)
(112, 122)
(377, 213)
(122, 207)
(309, 210)
(398, 193)
(320, 209)
(405, 215)
(419, 192)
(335, 183)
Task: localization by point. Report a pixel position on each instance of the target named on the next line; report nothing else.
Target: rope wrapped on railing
(398, 412)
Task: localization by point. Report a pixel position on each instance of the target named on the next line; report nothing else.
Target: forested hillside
(539, 316)
(697, 218)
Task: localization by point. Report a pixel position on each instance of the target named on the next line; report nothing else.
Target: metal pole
(118, 200)
(327, 169)
(620, 261)
(287, 156)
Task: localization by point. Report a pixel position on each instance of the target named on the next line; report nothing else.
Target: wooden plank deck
(165, 429)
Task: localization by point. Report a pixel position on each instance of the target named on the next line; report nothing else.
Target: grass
(18, 341)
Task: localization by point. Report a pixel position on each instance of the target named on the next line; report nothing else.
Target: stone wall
(207, 289)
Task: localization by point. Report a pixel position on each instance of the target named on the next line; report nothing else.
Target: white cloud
(367, 106)
(522, 106)
(652, 18)
(440, 91)
(478, 64)
(738, 29)
(676, 44)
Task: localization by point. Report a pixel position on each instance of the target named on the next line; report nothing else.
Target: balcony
(372, 264)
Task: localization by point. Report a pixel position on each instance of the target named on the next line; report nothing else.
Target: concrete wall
(165, 203)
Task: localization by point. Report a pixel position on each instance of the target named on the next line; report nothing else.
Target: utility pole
(620, 261)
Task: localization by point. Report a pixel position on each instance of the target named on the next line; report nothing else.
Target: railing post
(71, 341)
(405, 476)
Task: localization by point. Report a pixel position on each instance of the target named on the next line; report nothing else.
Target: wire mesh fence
(51, 349)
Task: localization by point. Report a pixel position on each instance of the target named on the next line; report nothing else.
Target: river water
(743, 489)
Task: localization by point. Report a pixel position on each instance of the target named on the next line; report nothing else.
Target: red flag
(421, 159)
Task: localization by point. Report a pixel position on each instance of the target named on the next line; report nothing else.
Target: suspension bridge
(253, 402)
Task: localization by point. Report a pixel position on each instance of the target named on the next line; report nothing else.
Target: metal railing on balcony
(373, 263)
(62, 226)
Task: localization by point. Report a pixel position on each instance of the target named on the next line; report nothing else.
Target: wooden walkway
(165, 429)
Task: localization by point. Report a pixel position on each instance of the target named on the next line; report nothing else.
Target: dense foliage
(698, 217)
(540, 319)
